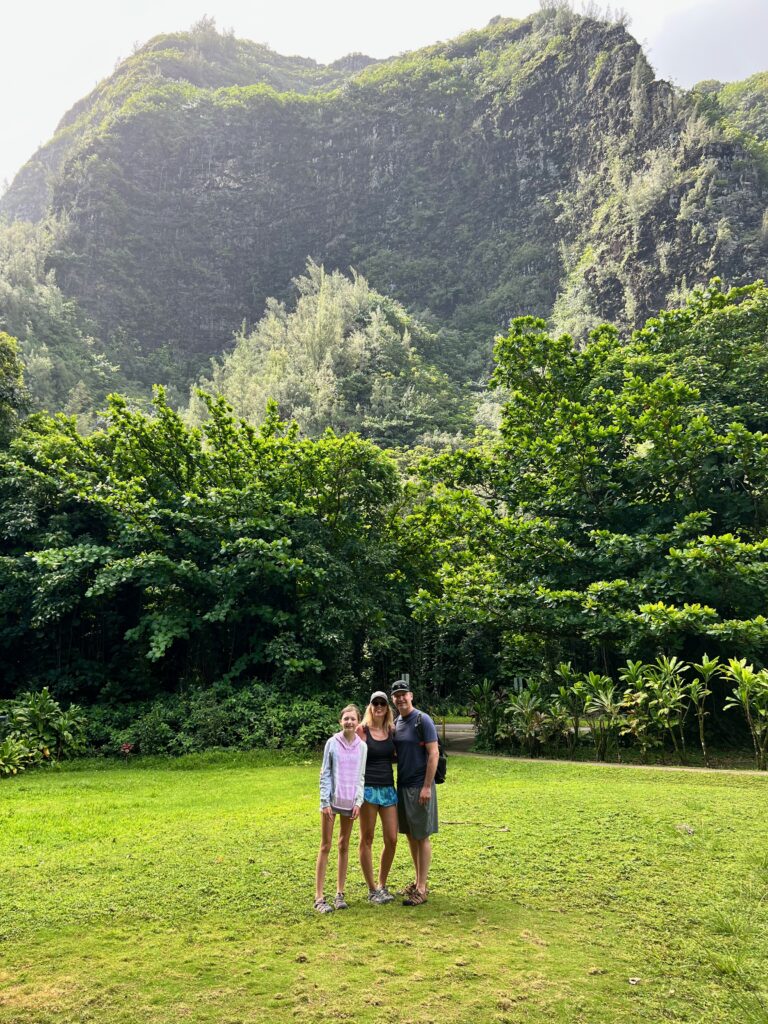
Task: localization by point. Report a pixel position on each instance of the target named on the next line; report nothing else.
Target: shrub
(251, 718)
(751, 695)
(43, 727)
(485, 709)
(14, 756)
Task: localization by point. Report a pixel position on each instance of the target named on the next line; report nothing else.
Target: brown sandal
(410, 888)
(415, 898)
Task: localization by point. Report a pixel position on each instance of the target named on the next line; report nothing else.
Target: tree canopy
(620, 511)
(346, 358)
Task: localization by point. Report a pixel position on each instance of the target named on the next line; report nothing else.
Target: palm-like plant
(638, 718)
(603, 707)
(698, 691)
(527, 718)
(573, 695)
(669, 699)
(751, 695)
(559, 722)
(485, 710)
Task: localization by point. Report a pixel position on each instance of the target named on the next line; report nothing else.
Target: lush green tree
(623, 509)
(150, 553)
(65, 366)
(345, 358)
(14, 398)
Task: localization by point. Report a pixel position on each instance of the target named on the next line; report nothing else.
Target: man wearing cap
(417, 755)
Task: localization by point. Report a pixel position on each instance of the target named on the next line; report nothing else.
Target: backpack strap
(420, 730)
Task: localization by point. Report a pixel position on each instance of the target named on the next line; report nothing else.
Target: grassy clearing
(139, 892)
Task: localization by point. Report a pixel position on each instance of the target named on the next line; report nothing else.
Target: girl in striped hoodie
(341, 792)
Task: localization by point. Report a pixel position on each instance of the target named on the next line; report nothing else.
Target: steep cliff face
(203, 58)
(530, 167)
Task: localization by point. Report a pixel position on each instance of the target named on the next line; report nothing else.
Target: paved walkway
(457, 737)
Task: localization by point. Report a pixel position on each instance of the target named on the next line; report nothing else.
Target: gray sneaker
(374, 896)
(339, 902)
(385, 896)
(322, 906)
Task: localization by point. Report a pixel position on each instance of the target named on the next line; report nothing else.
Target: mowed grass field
(183, 892)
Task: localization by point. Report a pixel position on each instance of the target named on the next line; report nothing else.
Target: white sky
(55, 51)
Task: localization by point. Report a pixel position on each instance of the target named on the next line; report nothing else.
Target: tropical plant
(572, 696)
(14, 756)
(527, 719)
(698, 691)
(603, 709)
(639, 722)
(669, 699)
(40, 723)
(485, 708)
(751, 695)
(560, 722)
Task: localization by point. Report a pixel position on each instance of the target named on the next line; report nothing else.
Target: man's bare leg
(424, 860)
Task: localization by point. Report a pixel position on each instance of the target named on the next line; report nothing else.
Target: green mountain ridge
(533, 166)
(201, 57)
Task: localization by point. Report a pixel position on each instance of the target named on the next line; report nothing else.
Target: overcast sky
(55, 51)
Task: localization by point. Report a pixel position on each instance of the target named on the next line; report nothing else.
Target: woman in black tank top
(377, 731)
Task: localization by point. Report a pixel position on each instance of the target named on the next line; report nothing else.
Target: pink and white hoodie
(342, 773)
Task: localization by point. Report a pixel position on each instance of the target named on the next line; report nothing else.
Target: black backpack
(442, 760)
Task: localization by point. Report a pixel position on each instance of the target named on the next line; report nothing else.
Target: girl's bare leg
(367, 829)
(326, 838)
(389, 832)
(345, 830)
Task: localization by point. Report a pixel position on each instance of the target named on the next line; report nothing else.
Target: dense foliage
(221, 717)
(35, 729)
(65, 367)
(347, 358)
(666, 702)
(622, 511)
(149, 552)
(619, 513)
(529, 167)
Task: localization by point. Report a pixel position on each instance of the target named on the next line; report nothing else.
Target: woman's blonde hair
(388, 723)
(350, 707)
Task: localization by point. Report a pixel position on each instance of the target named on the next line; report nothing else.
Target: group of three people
(357, 781)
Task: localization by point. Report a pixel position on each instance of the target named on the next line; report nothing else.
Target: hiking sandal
(322, 906)
(415, 898)
(412, 888)
(339, 903)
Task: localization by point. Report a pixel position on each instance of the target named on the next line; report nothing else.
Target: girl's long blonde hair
(388, 724)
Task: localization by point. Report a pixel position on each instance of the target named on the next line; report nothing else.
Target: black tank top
(378, 764)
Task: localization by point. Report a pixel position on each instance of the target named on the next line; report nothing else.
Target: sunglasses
(379, 703)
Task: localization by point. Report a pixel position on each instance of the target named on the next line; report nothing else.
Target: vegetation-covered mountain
(203, 58)
(743, 105)
(533, 166)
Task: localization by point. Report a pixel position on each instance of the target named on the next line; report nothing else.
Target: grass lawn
(183, 891)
